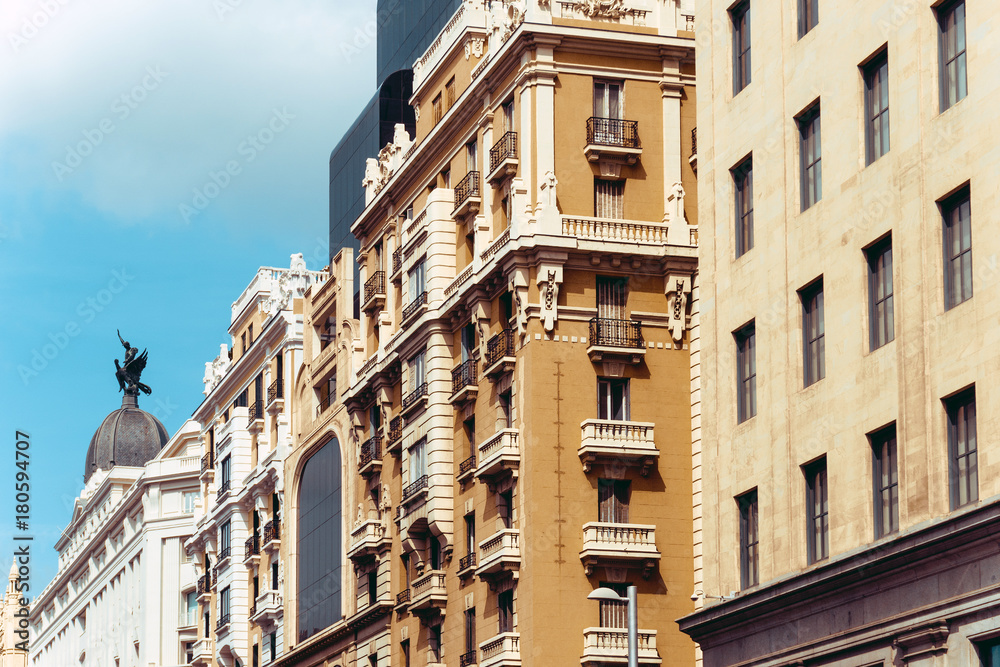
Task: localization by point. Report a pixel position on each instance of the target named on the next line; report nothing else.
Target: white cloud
(159, 95)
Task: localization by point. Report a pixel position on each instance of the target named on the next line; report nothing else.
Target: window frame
(877, 125)
(739, 16)
(748, 507)
(808, 16)
(885, 480)
(602, 95)
(952, 208)
(505, 611)
(881, 326)
(609, 198)
(746, 360)
(742, 175)
(946, 13)
(817, 518)
(606, 390)
(614, 496)
(810, 144)
(813, 333)
(959, 422)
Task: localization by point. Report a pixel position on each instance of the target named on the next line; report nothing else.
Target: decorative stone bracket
(379, 170)
(678, 291)
(550, 277)
(517, 283)
(930, 640)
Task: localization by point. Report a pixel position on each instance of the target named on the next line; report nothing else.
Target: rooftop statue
(128, 372)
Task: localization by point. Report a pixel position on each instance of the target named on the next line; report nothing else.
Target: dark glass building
(405, 29)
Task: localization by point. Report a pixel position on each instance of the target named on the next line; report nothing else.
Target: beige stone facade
(12, 652)
(511, 414)
(831, 561)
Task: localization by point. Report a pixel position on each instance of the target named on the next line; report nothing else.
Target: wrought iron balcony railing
(417, 486)
(415, 395)
(616, 333)
(395, 430)
(412, 307)
(467, 465)
(403, 596)
(466, 188)
(255, 411)
(467, 658)
(694, 141)
(375, 286)
(613, 132)
(467, 561)
(464, 375)
(271, 531)
(251, 547)
(504, 149)
(275, 391)
(223, 621)
(371, 450)
(207, 461)
(225, 552)
(500, 346)
(223, 488)
(397, 260)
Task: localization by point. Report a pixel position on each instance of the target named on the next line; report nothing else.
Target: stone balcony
(617, 443)
(500, 553)
(203, 651)
(609, 646)
(504, 650)
(428, 591)
(268, 609)
(498, 455)
(368, 539)
(619, 545)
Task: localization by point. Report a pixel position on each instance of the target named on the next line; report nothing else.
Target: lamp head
(606, 595)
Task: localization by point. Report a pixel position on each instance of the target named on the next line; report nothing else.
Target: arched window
(320, 523)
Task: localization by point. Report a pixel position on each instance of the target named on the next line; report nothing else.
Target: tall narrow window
(225, 540)
(449, 93)
(472, 156)
(227, 472)
(746, 372)
(404, 647)
(418, 460)
(470, 635)
(747, 504)
(608, 99)
(612, 293)
(885, 478)
(957, 248)
(470, 533)
(224, 599)
(954, 82)
(612, 399)
(810, 155)
(505, 611)
(808, 15)
(817, 511)
(507, 116)
(613, 499)
(880, 311)
(614, 613)
(416, 283)
(436, 108)
(434, 643)
(505, 508)
(743, 187)
(609, 198)
(962, 449)
(876, 73)
(740, 15)
(813, 333)
(416, 371)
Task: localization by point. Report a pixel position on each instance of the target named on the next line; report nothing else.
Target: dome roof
(127, 437)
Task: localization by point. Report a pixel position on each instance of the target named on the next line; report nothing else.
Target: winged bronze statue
(128, 372)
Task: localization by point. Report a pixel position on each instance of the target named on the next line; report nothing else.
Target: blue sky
(152, 156)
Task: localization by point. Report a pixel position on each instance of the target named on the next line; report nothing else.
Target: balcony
(367, 540)
(467, 565)
(498, 455)
(467, 196)
(412, 309)
(397, 265)
(203, 652)
(374, 292)
(617, 443)
(428, 591)
(467, 659)
(499, 554)
(403, 599)
(222, 624)
(394, 438)
(415, 399)
(500, 355)
(205, 587)
(255, 416)
(693, 159)
(271, 541)
(224, 554)
(503, 159)
(371, 456)
(619, 544)
(415, 489)
(504, 650)
(613, 139)
(208, 467)
(223, 490)
(464, 383)
(276, 395)
(268, 609)
(251, 551)
(466, 469)
(609, 646)
(616, 340)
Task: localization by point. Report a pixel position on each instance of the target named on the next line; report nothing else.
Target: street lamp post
(608, 595)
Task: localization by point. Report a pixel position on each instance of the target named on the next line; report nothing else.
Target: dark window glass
(962, 448)
(876, 74)
(225, 539)
(885, 476)
(957, 249)
(227, 470)
(612, 399)
(319, 541)
(224, 600)
(746, 373)
(954, 81)
(470, 630)
(505, 508)
(880, 311)
(810, 155)
(613, 499)
(747, 504)
(740, 15)
(404, 646)
(434, 643)
(372, 587)
(743, 187)
(817, 511)
(274, 645)
(470, 533)
(808, 15)
(989, 653)
(505, 611)
(813, 333)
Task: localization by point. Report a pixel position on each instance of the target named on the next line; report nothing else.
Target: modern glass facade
(406, 28)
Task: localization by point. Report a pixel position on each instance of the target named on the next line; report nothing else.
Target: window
(813, 333)
(274, 645)
(224, 597)
(951, 24)
(818, 511)
(612, 293)
(505, 508)
(612, 399)
(416, 371)
(743, 187)
(989, 653)
(227, 472)
(749, 567)
(189, 652)
(436, 109)
(470, 533)
(746, 373)
(608, 99)
(612, 613)
(880, 313)
(189, 500)
(808, 16)
(962, 451)
(418, 460)
(434, 643)
(740, 15)
(506, 401)
(468, 340)
(225, 540)
(404, 647)
(505, 611)
(612, 499)
(507, 116)
(609, 198)
(885, 477)
(472, 156)
(810, 154)
(470, 631)
(416, 281)
(876, 73)
(957, 248)
(449, 93)
(372, 587)
(446, 178)
(255, 656)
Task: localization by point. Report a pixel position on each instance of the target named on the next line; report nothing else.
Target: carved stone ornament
(379, 170)
(609, 9)
(550, 277)
(504, 18)
(474, 47)
(678, 290)
(217, 369)
(518, 284)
